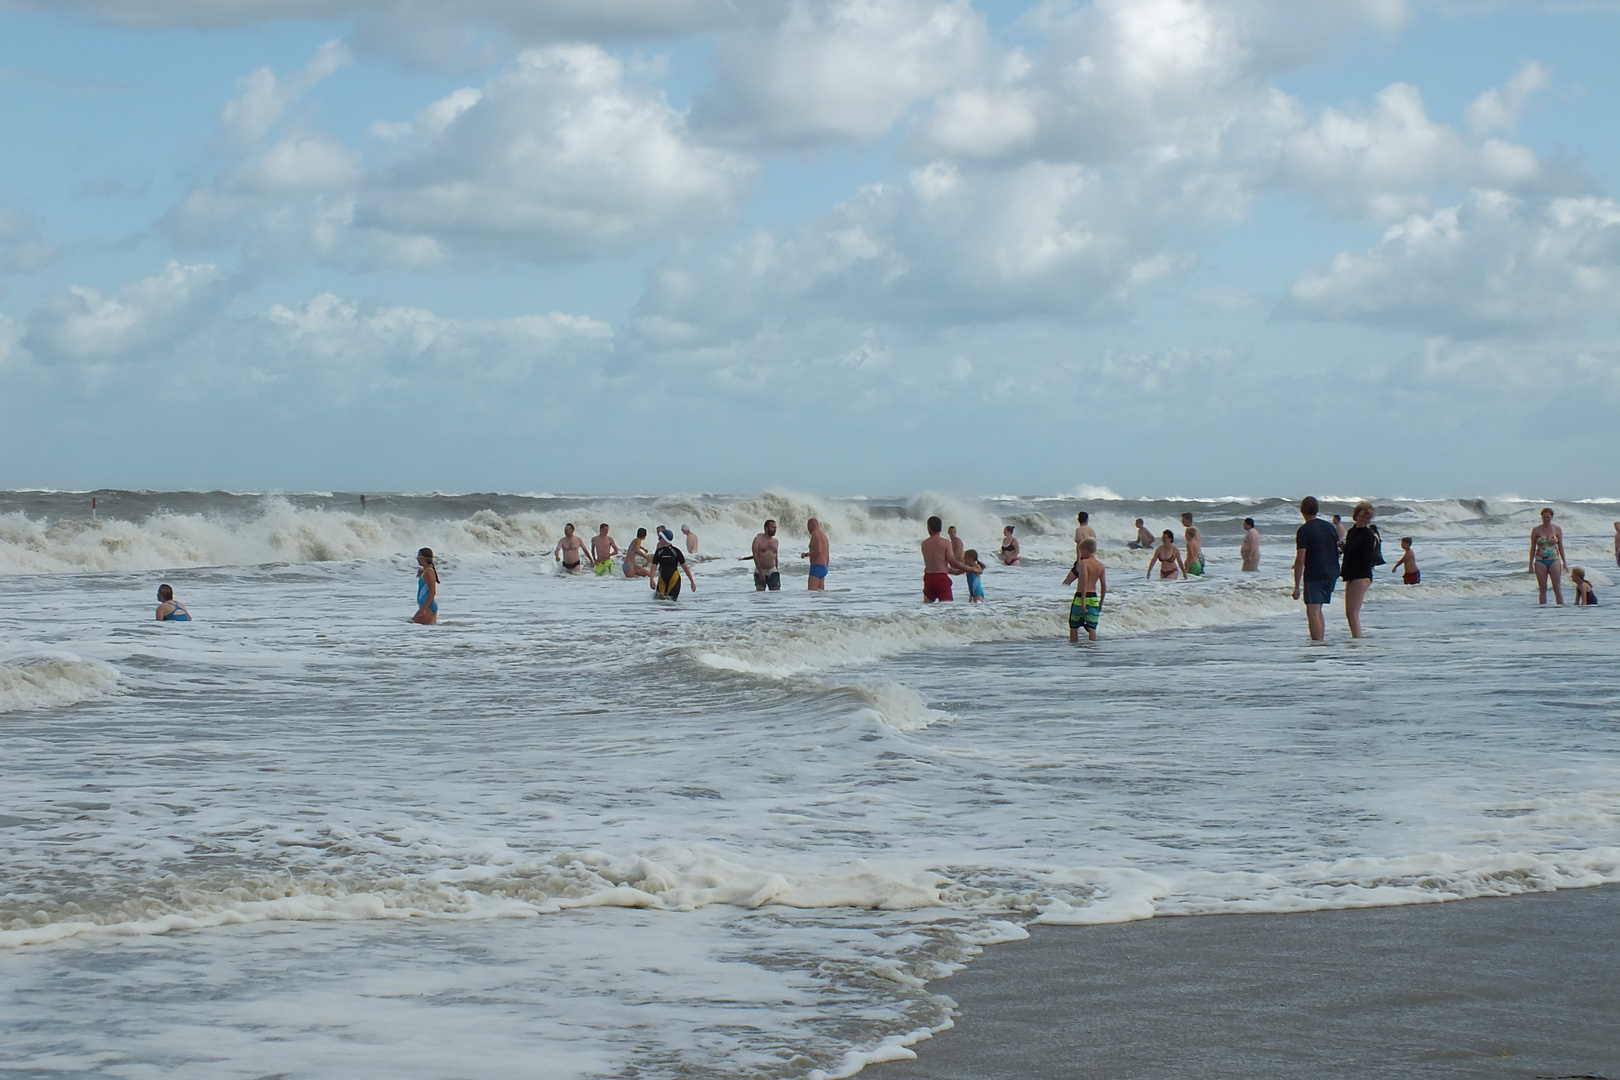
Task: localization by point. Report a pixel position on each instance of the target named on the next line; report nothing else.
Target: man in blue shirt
(1316, 562)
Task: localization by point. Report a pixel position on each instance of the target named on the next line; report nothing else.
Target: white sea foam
(52, 680)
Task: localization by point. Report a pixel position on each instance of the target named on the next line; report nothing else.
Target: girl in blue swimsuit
(427, 589)
(169, 609)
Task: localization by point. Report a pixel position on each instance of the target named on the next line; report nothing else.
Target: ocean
(576, 832)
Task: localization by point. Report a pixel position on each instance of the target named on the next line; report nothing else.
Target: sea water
(575, 832)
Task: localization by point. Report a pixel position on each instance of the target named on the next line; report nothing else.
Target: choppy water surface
(572, 832)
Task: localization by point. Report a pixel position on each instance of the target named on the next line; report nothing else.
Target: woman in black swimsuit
(1363, 550)
(1009, 548)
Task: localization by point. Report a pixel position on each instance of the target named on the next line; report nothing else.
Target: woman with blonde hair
(1363, 550)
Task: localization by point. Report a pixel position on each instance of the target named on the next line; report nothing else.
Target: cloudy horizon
(1190, 247)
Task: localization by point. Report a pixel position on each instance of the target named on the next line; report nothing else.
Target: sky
(1167, 247)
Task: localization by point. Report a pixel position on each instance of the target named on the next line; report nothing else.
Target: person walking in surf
(427, 589)
(1089, 592)
(1316, 564)
(1363, 550)
(1547, 557)
(939, 563)
(669, 563)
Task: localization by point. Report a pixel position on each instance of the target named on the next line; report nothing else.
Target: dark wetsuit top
(1361, 552)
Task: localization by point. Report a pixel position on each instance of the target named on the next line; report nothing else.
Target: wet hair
(1309, 506)
(427, 553)
(1546, 509)
(970, 555)
(603, 525)
(1139, 521)
(568, 527)
(1088, 546)
(769, 522)
(1406, 540)
(1578, 573)
(1082, 517)
(1363, 505)
(935, 525)
(1248, 523)
(641, 534)
(1168, 535)
(165, 594)
(1008, 529)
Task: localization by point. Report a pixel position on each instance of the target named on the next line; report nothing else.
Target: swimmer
(603, 548)
(637, 563)
(1406, 565)
(1251, 545)
(1617, 543)
(1086, 608)
(956, 542)
(691, 540)
(818, 555)
(427, 589)
(975, 576)
(1584, 596)
(1144, 539)
(1082, 531)
(570, 550)
(1195, 552)
(767, 572)
(671, 563)
(169, 609)
(1547, 556)
(1009, 547)
(939, 563)
(1167, 558)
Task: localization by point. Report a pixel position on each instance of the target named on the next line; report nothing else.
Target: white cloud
(263, 99)
(840, 70)
(82, 324)
(1494, 264)
(1499, 108)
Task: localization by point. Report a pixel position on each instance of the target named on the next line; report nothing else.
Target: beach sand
(1522, 986)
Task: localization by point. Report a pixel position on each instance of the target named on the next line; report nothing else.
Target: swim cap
(667, 535)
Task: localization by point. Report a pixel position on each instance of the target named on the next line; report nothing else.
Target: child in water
(975, 582)
(1406, 565)
(1584, 596)
(1092, 588)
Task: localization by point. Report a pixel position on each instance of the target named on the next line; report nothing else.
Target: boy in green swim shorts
(1091, 587)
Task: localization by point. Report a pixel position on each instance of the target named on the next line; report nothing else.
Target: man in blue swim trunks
(1316, 564)
(819, 556)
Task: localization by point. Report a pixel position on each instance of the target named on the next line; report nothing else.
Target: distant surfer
(1010, 548)
(169, 609)
(637, 563)
(691, 540)
(767, 574)
(819, 556)
(427, 588)
(1316, 564)
(1144, 539)
(1089, 592)
(603, 548)
(939, 563)
(1251, 546)
(1547, 556)
(670, 565)
(570, 550)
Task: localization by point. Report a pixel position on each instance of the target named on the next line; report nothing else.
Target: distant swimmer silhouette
(169, 609)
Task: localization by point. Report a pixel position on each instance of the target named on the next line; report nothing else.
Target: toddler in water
(975, 583)
(1406, 565)
(1584, 596)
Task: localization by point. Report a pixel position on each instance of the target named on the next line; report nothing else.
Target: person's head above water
(1138, 523)
(951, 532)
(1082, 517)
(1007, 531)
(1406, 541)
(1088, 546)
(568, 529)
(1169, 537)
(935, 525)
(424, 557)
(641, 534)
(1186, 518)
(603, 529)
(1248, 523)
(770, 527)
(165, 594)
(1309, 506)
(1546, 515)
(685, 530)
(970, 555)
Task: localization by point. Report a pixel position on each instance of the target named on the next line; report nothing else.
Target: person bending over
(169, 609)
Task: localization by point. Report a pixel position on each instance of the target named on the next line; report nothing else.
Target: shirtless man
(637, 563)
(939, 563)
(691, 540)
(603, 548)
(959, 549)
(1195, 552)
(1082, 532)
(1089, 594)
(1251, 545)
(1009, 547)
(818, 556)
(766, 573)
(570, 550)
(1617, 543)
(1338, 527)
(1144, 539)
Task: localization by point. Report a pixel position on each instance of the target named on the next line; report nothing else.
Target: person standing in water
(767, 573)
(1167, 558)
(1407, 565)
(819, 556)
(603, 548)
(957, 547)
(1195, 552)
(1144, 539)
(1316, 564)
(637, 563)
(670, 564)
(1082, 531)
(570, 550)
(1009, 548)
(691, 540)
(1090, 590)
(939, 563)
(1617, 543)
(169, 609)
(1547, 556)
(1363, 550)
(975, 576)
(427, 589)
(1251, 545)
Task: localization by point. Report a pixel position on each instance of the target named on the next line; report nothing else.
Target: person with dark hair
(939, 563)
(958, 546)
(427, 588)
(1316, 564)
(570, 550)
(1082, 531)
(1251, 545)
(1363, 550)
(1144, 539)
(1338, 527)
(169, 609)
(1547, 556)
(766, 559)
(1407, 565)
(637, 563)
(603, 548)
(1167, 557)
(1009, 547)
(671, 563)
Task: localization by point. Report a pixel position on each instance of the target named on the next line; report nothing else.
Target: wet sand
(1524, 986)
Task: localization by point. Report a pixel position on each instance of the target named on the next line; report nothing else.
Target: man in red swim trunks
(939, 563)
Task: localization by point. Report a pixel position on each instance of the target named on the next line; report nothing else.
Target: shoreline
(1518, 986)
